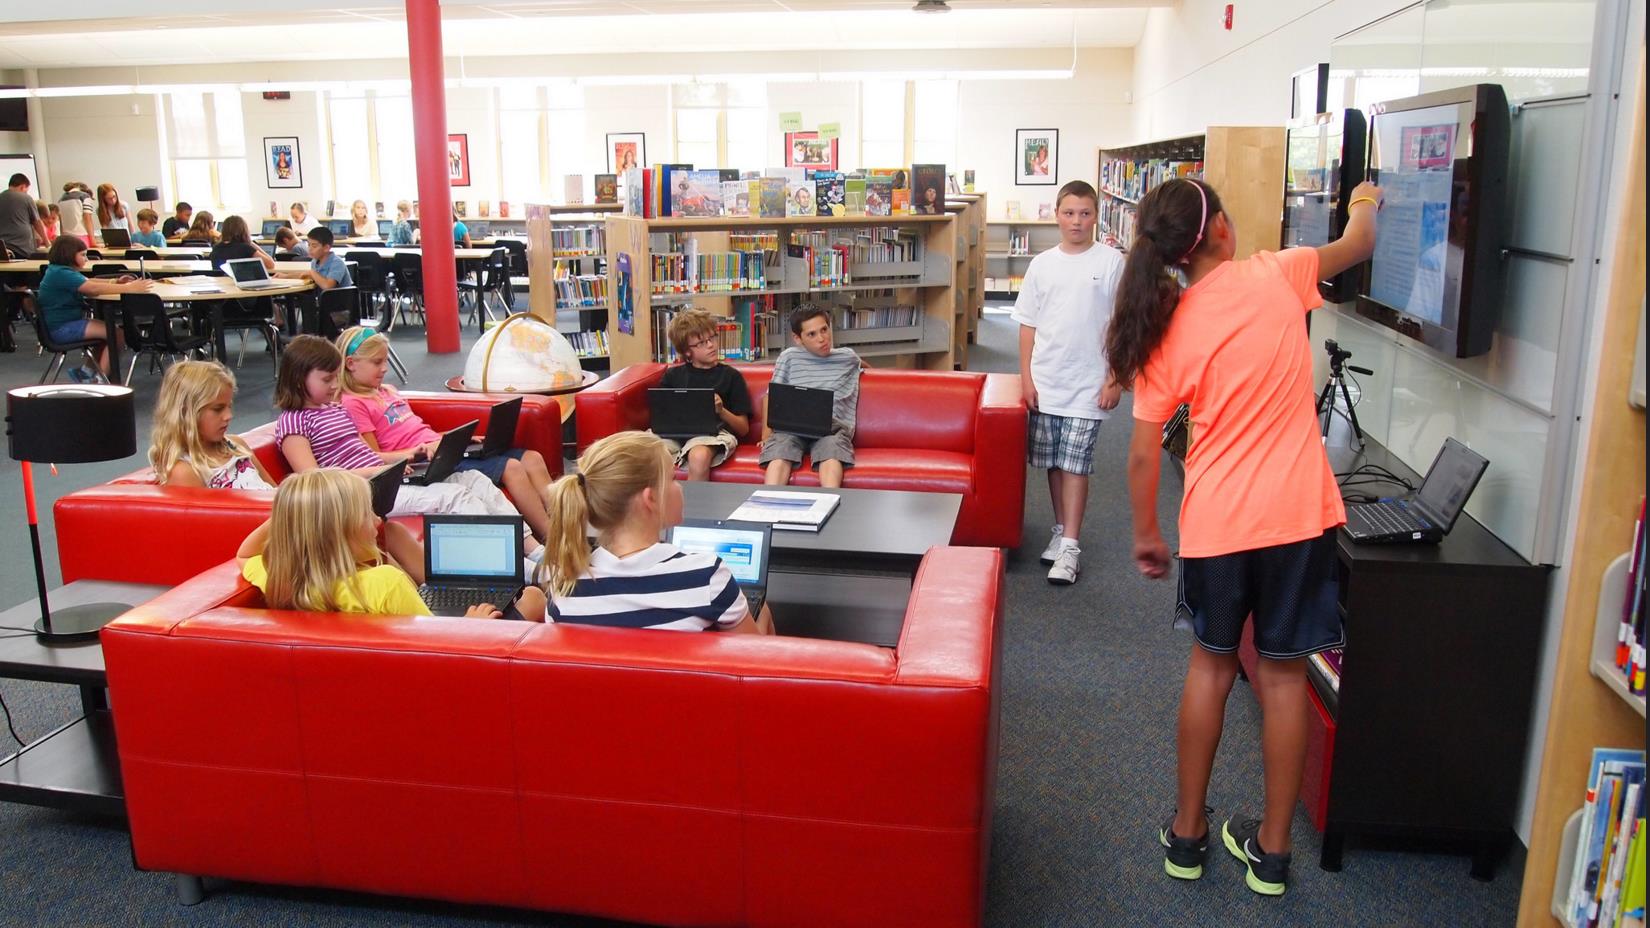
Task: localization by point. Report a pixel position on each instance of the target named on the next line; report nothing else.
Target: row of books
(680, 190)
(1019, 243)
(709, 272)
(484, 209)
(1118, 220)
(1328, 664)
(1630, 643)
(828, 264)
(577, 240)
(576, 290)
(592, 344)
(881, 317)
(1133, 178)
(1002, 284)
(1607, 882)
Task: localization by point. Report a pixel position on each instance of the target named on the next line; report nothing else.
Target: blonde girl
(403, 233)
(318, 552)
(190, 445)
(626, 490)
(361, 224)
(387, 424)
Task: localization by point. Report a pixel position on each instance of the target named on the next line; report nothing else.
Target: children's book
(274, 208)
(484, 209)
(787, 509)
(791, 175)
(831, 189)
(573, 188)
(800, 199)
(728, 174)
(902, 201)
(1011, 209)
(665, 186)
(1045, 211)
(879, 195)
(750, 175)
(633, 191)
(607, 188)
(928, 189)
(951, 185)
(853, 195)
(504, 209)
(772, 201)
(330, 205)
(736, 197)
(378, 209)
(968, 180)
(458, 209)
(696, 193)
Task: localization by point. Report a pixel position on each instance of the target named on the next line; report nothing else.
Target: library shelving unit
(969, 210)
(566, 251)
(903, 310)
(1245, 164)
(1010, 244)
(1586, 711)
(516, 222)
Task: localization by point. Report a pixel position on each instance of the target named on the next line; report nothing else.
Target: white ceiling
(194, 32)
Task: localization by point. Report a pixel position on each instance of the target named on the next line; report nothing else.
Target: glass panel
(1530, 49)
(397, 168)
(698, 154)
(189, 137)
(351, 177)
(936, 122)
(882, 123)
(684, 95)
(747, 142)
(565, 96)
(1545, 175)
(518, 98)
(233, 190)
(1381, 61)
(696, 125)
(568, 152)
(194, 180)
(519, 151)
(887, 154)
(226, 111)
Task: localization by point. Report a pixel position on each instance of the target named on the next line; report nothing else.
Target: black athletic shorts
(1291, 590)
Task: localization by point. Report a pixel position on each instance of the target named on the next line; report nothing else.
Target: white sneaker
(1065, 569)
(1054, 544)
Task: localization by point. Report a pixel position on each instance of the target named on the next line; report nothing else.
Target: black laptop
(742, 546)
(501, 431)
(271, 226)
(469, 560)
(116, 238)
(386, 484)
(681, 413)
(385, 227)
(446, 457)
(1428, 515)
(804, 411)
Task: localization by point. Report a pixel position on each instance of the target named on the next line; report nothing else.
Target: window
(397, 168)
(566, 150)
(351, 172)
(881, 124)
(935, 105)
(721, 125)
(207, 141)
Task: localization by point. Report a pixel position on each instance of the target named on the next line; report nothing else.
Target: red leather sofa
(133, 530)
(916, 430)
(715, 780)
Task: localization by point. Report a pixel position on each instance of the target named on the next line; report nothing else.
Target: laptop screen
(743, 550)
(1450, 480)
(246, 269)
(271, 226)
(472, 548)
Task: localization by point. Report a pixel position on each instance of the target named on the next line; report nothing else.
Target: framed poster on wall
(808, 150)
(1036, 157)
(458, 160)
(626, 150)
(281, 167)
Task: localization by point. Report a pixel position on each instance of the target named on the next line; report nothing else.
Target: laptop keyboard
(454, 600)
(1388, 519)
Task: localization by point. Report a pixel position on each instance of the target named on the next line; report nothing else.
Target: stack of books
(1630, 644)
(1607, 883)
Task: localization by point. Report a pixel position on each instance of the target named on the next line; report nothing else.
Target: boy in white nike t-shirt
(1064, 306)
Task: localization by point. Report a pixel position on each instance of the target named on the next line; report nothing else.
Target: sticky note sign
(830, 130)
(790, 122)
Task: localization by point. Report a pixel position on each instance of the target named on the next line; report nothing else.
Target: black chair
(495, 281)
(193, 242)
(290, 256)
(257, 315)
(92, 254)
(518, 255)
(60, 350)
(149, 331)
(372, 274)
(148, 254)
(109, 269)
(340, 308)
(409, 283)
(39, 256)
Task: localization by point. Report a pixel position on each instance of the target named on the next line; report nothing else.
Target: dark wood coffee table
(851, 580)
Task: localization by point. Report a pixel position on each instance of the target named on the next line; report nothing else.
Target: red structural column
(429, 112)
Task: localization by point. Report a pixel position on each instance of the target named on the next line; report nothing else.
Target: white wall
(298, 117)
(99, 140)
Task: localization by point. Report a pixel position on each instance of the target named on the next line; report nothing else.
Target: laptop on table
(683, 413)
(341, 228)
(804, 411)
(116, 238)
(445, 460)
(250, 274)
(742, 546)
(469, 560)
(271, 226)
(1429, 514)
(386, 485)
(501, 431)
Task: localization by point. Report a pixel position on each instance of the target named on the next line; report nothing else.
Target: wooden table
(160, 266)
(107, 307)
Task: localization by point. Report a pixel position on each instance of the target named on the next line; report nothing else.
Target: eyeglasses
(705, 342)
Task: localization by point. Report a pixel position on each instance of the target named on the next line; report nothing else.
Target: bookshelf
(1585, 711)
(566, 254)
(1010, 244)
(1245, 164)
(775, 279)
(969, 210)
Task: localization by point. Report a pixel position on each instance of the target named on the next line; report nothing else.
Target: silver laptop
(250, 274)
(469, 560)
(742, 546)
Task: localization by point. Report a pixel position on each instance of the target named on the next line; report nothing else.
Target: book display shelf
(1245, 164)
(889, 281)
(969, 210)
(1010, 244)
(567, 274)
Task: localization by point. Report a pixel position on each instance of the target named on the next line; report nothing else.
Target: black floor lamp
(149, 195)
(68, 424)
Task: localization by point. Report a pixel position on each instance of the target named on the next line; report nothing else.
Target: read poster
(627, 312)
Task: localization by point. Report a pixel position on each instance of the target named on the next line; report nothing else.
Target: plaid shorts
(1063, 442)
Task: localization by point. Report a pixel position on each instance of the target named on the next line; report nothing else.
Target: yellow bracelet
(1355, 202)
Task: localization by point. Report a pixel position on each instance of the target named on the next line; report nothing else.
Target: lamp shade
(71, 424)
(148, 193)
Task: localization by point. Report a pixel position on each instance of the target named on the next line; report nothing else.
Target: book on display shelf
(831, 190)
(484, 209)
(853, 194)
(458, 209)
(696, 193)
(800, 198)
(736, 198)
(415, 209)
(1611, 838)
(504, 209)
(573, 188)
(968, 180)
(378, 209)
(1045, 211)
(331, 204)
(879, 195)
(633, 190)
(727, 174)
(772, 202)
(607, 188)
(928, 189)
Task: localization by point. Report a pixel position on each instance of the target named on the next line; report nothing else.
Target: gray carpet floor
(1091, 676)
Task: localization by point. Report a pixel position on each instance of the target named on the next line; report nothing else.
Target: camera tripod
(1338, 367)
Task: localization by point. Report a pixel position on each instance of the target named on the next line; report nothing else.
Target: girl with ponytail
(626, 490)
(1261, 507)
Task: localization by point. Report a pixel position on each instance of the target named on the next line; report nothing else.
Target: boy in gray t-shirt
(814, 363)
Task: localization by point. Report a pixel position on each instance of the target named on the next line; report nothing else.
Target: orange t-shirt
(1236, 350)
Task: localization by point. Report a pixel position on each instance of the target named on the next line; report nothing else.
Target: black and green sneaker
(1183, 857)
(1268, 873)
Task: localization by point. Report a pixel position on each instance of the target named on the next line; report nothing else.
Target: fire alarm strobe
(1229, 17)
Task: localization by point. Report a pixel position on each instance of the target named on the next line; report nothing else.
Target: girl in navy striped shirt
(626, 490)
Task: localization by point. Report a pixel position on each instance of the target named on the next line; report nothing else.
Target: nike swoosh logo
(1250, 853)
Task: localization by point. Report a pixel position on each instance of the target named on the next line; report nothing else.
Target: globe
(522, 354)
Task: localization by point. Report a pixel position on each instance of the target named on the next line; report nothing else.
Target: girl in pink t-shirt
(1260, 510)
(387, 423)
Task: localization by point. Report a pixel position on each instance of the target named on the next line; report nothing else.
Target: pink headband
(1203, 219)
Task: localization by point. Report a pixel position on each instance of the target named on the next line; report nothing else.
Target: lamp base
(72, 622)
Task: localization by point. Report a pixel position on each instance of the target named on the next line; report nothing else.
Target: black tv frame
(1483, 266)
(1345, 286)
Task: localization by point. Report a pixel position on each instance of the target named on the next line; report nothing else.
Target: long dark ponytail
(1173, 222)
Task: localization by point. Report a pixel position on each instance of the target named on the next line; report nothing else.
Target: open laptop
(386, 485)
(385, 227)
(446, 457)
(116, 238)
(804, 411)
(469, 560)
(271, 226)
(341, 228)
(1428, 515)
(250, 274)
(683, 413)
(743, 546)
(501, 431)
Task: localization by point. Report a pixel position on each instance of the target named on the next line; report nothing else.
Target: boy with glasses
(693, 333)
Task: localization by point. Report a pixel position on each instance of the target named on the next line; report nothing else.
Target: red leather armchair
(670, 778)
(917, 430)
(133, 530)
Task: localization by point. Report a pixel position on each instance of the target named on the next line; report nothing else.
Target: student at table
(62, 300)
(112, 211)
(403, 232)
(76, 212)
(326, 269)
(176, 223)
(287, 242)
(146, 233)
(20, 227)
(461, 234)
(203, 230)
(235, 242)
(48, 218)
(301, 223)
(361, 224)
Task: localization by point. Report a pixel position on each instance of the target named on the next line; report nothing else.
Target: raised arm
(1357, 241)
